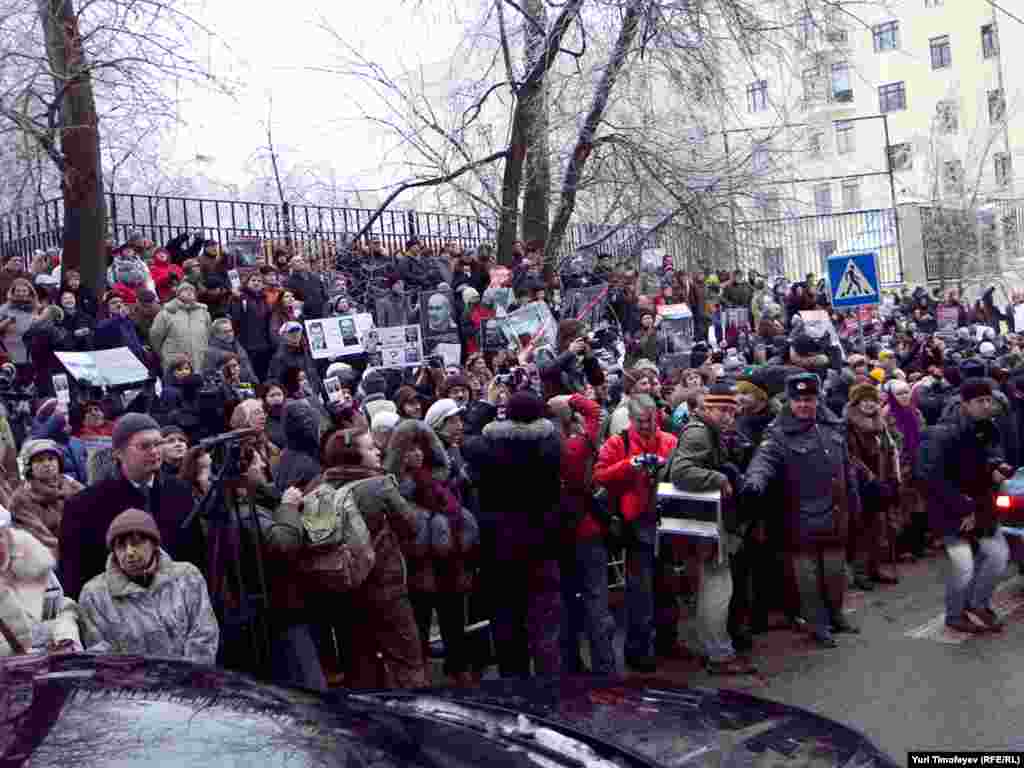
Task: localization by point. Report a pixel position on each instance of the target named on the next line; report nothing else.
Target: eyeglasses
(147, 446)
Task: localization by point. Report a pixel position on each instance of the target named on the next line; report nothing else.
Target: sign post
(853, 282)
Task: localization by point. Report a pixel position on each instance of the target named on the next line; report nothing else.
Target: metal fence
(794, 247)
(316, 231)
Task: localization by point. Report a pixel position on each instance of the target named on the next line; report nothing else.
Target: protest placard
(398, 347)
(533, 325)
(104, 368)
(587, 304)
(338, 336)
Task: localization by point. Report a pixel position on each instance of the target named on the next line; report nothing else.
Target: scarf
(908, 425)
(38, 508)
(347, 473)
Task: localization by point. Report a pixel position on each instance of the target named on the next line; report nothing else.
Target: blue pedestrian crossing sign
(853, 279)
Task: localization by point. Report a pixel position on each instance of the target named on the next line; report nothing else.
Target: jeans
(972, 578)
(527, 621)
(451, 616)
(821, 581)
(713, 612)
(294, 658)
(639, 598)
(585, 607)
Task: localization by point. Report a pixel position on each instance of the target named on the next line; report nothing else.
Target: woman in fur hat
(439, 578)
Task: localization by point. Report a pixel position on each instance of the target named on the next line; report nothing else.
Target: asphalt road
(906, 682)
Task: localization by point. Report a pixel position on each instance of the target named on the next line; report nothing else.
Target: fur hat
(802, 384)
(861, 392)
(440, 412)
(128, 425)
(524, 407)
(750, 388)
(720, 394)
(470, 295)
(33, 448)
(405, 394)
(132, 521)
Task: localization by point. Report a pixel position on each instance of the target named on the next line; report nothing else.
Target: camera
(650, 463)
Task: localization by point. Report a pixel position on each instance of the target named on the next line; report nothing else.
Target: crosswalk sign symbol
(853, 279)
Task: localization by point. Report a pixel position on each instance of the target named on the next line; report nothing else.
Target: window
(851, 194)
(996, 105)
(1002, 161)
(953, 176)
(901, 157)
(768, 202)
(842, 90)
(844, 137)
(825, 249)
(812, 84)
(823, 198)
(892, 97)
(816, 144)
(989, 41)
(774, 261)
(942, 56)
(887, 36)
(947, 117)
(804, 30)
(759, 158)
(932, 3)
(757, 96)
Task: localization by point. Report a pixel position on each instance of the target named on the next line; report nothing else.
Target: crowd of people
(500, 488)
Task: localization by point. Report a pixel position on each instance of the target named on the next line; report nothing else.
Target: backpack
(337, 553)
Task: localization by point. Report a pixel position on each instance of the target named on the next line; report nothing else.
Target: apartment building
(934, 88)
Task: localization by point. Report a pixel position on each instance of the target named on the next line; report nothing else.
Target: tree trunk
(585, 140)
(85, 215)
(523, 117)
(537, 196)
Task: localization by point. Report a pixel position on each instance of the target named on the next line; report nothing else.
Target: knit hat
(750, 388)
(384, 420)
(182, 286)
(720, 394)
(33, 448)
(864, 392)
(343, 371)
(878, 374)
(974, 388)
(128, 425)
(470, 295)
(643, 364)
(524, 407)
(173, 429)
(132, 521)
(440, 412)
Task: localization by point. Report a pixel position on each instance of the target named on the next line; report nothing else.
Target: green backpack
(338, 553)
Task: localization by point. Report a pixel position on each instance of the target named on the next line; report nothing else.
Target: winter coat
(623, 481)
(428, 573)
(77, 321)
(88, 515)
(809, 461)
(181, 329)
(117, 332)
(956, 462)
(312, 291)
(286, 357)
(217, 352)
(517, 466)
(13, 338)
(38, 508)
(162, 275)
(73, 450)
(172, 617)
(875, 457)
(392, 310)
(566, 375)
(300, 462)
(579, 454)
(43, 339)
(213, 290)
(35, 610)
(907, 458)
(1005, 420)
(250, 316)
(143, 316)
(275, 426)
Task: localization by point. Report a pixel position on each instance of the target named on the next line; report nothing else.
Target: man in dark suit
(138, 484)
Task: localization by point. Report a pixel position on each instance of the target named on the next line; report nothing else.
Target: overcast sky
(273, 50)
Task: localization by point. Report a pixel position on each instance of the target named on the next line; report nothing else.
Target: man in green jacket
(698, 465)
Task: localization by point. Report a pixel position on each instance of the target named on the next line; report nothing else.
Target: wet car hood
(126, 711)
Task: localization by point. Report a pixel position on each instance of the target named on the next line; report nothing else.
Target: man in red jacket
(627, 467)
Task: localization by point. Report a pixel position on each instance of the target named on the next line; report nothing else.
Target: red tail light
(1003, 502)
